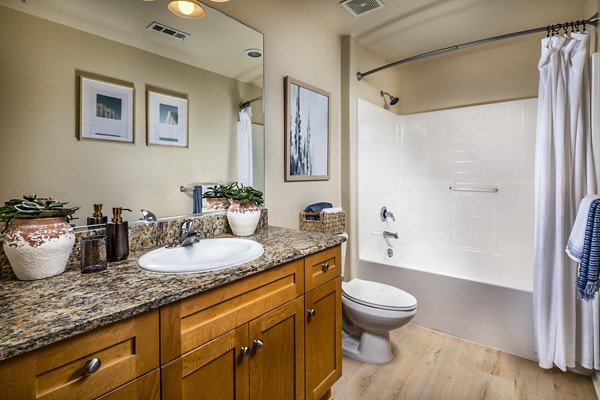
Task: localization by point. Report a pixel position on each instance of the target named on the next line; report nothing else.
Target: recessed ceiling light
(254, 53)
(186, 9)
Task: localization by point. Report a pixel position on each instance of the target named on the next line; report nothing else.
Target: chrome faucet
(147, 215)
(385, 214)
(390, 235)
(187, 235)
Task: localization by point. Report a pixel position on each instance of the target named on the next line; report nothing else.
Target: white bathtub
(495, 316)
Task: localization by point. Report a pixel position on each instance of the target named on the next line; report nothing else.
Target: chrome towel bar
(474, 189)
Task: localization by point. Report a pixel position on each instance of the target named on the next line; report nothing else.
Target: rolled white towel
(575, 244)
(332, 210)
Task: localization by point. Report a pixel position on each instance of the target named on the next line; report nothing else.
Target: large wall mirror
(44, 44)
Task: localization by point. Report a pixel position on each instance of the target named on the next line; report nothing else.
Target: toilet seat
(378, 295)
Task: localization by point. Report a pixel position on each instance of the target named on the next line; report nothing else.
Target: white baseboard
(596, 382)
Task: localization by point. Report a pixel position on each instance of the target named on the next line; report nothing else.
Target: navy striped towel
(575, 244)
(197, 199)
(587, 280)
(317, 207)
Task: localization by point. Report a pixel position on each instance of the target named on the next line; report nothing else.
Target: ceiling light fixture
(186, 9)
(254, 53)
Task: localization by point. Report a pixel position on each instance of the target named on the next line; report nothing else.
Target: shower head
(393, 99)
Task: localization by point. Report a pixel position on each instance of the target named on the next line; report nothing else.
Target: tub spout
(390, 235)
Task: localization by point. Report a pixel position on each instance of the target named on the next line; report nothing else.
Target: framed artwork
(105, 108)
(307, 138)
(166, 117)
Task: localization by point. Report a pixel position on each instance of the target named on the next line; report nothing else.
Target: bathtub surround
(566, 328)
(460, 185)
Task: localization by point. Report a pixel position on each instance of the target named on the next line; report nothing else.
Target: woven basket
(328, 222)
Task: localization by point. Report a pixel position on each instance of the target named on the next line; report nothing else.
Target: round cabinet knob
(258, 344)
(92, 366)
(244, 351)
(311, 313)
(325, 266)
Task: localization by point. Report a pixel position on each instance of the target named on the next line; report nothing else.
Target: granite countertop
(36, 313)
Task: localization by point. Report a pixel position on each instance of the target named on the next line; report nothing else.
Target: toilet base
(374, 348)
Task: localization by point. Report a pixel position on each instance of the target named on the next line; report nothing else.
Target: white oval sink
(202, 256)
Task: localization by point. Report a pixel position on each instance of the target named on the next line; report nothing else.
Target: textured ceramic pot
(38, 248)
(243, 218)
(216, 204)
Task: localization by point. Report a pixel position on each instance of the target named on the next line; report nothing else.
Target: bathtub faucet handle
(390, 235)
(385, 214)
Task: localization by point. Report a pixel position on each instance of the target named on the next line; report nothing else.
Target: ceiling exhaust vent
(172, 32)
(361, 7)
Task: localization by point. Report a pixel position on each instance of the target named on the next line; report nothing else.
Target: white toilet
(370, 310)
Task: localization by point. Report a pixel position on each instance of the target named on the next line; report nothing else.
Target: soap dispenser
(97, 218)
(117, 236)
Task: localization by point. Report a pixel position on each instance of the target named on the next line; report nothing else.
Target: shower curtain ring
(556, 29)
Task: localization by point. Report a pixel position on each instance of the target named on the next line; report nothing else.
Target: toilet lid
(379, 295)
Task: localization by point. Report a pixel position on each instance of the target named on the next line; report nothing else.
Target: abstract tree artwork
(307, 132)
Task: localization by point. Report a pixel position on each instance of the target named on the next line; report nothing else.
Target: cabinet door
(323, 338)
(277, 360)
(217, 370)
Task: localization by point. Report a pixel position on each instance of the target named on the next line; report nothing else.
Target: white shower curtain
(244, 147)
(566, 328)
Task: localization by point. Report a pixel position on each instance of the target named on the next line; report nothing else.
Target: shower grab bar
(473, 189)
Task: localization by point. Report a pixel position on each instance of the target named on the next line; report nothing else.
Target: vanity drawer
(322, 267)
(198, 319)
(126, 350)
(146, 387)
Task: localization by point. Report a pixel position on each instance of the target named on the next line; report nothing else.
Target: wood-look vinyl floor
(430, 365)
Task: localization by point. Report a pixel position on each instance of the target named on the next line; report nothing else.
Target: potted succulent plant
(244, 212)
(38, 239)
(216, 200)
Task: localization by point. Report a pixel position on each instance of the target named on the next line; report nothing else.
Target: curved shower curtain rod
(247, 103)
(549, 28)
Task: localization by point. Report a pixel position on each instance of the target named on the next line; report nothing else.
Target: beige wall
(40, 153)
(505, 71)
(297, 46)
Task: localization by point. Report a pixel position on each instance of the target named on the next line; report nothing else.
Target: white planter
(38, 248)
(243, 218)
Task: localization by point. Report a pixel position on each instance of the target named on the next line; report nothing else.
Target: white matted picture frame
(166, 117)
(105, 108)
(307, 132)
